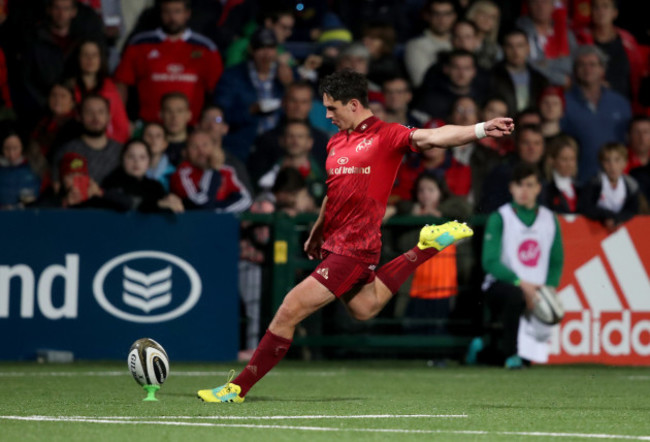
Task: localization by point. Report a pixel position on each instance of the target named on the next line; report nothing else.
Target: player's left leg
(375, 295)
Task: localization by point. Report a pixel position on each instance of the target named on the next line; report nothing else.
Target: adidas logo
(324, 272)
(607, 308)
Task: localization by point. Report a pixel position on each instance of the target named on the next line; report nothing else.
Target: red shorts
(341, 273)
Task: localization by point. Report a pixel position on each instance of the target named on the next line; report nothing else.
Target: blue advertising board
(92, 282)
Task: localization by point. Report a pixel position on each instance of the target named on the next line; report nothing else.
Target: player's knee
(364, 314)
(288, 313)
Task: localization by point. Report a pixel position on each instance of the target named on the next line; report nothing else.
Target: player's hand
(499, 127)
(313, 244)
(530, 293)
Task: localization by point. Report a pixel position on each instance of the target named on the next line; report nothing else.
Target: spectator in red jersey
(54, 130)
(562, 189)
(91, 76)
(170, 58)
(176, 115)
(638, 139)
(250, 94)
(204, 181)
(625, 62)
(551, 40)
(362, 162)
(6, 108)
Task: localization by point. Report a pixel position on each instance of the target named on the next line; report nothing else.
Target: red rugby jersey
(361, 168)
(158, 65)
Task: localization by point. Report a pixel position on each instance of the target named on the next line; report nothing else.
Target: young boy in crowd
(611, 197)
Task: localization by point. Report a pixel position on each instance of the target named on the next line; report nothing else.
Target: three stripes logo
(147, 291)
(607, 305)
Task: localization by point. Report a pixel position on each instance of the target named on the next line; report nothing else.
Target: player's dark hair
(344, 86)
(524, 170)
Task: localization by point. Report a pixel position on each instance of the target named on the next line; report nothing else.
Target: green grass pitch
(324, 401)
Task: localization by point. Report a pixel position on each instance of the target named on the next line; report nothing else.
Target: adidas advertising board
(605, 290)
(93, 279)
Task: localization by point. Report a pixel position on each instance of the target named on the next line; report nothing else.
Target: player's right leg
(303, 300)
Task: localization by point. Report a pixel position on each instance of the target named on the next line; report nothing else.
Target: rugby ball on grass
(548, 307)
(148, 362)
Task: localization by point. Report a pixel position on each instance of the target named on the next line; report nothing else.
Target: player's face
(174, 17)
(136, 160)
(525, 191)
(340, 114)
(566, 162)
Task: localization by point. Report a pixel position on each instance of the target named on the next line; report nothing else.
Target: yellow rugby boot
(228, 392)
(443, 235)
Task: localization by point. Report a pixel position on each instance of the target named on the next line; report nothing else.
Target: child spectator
(551, 107)
(562, 190)
(175, 114)
(611, 197)
(18, 184)
(522, 250)
(91, 76)
(129, 186)
(160, 168)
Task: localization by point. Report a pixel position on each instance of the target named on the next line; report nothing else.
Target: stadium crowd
(172, 105)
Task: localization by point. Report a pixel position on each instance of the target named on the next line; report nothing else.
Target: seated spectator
(74, 188)
(204, 181)
(551, 108)
(551, 41)
(101, 153)
(431, 197)
(486, 15)
(53, 130)
(422, 52)
(594, 113)
(514, 78)
(529, 149)
(297, 143)
(213, 121)
(380, 39)
(512, 275)
(250, 94)
(638, 138)
(18, 184)
(495, 107)
(625, 62)
(175, 115)
(291, 194)
(50, 51)
(397, 99)
(436, 98)
(90, 75)
(129, 186)
(562, 190)
(611, 197)
(160, 168)
(297, 104)
(172, 58)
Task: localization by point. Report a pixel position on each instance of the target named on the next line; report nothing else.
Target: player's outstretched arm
(452, 135)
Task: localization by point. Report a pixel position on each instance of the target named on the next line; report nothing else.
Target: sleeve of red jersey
(125, 72)
(214, 69)
(400, 137)
(176, 186)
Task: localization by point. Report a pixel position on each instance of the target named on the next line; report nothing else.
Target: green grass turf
(498, 404)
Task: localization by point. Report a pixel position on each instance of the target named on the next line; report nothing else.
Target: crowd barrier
(92, 282)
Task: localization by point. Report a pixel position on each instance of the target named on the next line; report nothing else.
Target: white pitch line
(173, 373)
(329, 429)
(318, 416)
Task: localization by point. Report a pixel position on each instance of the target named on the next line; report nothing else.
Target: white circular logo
(147, 291)
(343, 160)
